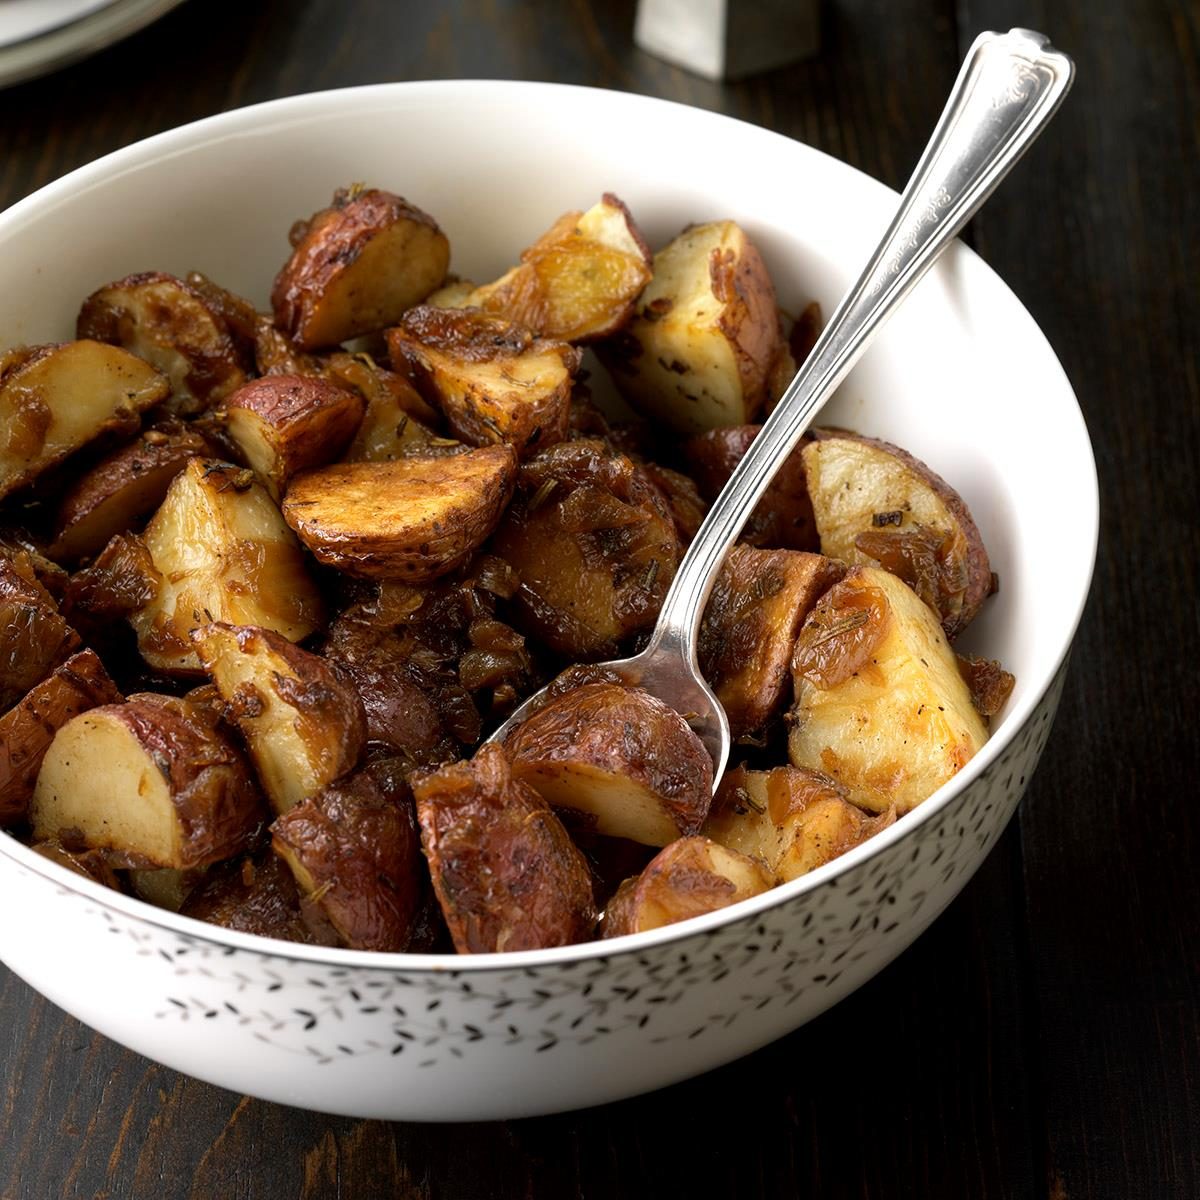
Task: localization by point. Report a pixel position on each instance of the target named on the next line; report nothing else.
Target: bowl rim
(191, 136)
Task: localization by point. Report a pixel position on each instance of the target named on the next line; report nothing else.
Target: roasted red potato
(790, 819)
(284, 424)
(621, 757)
(34, 636)
(413, 519)
(27, 730)
(880, 705)
(55, 399)
(122, 489)
(506, 874)
(28, 556)
(174, 327)
(704, 337)
(356, 267)
(302, 719)
(683, 498)
(251, 895)
(594, 546)
(688, 878)
(153, 781)
(492, 378)
(750, 626)
(877, 504)
(578, 281)
(356, 856)
(91, 864)
(221, 552)
(783, 518)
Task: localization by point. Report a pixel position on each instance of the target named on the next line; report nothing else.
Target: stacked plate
(37, 36)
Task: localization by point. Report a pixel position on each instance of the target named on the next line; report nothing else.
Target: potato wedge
(303, 722)
(579, 280)
(356, 267)
(27, 730)
(356, 856)
(704, 336)
(505, 872)
(34, 635)
(877, 504)
(222, 553)
(283, 424)
(413, 519)
(61, 397)
(594, 546)
(783, 518)
(750, 627)
(120, 490)
(619, 756)
(688, 878)
(493, 380)
(791, 819)
(879, 703)
(153, 781)
(173, 327)
(252, 895)
(91, 864)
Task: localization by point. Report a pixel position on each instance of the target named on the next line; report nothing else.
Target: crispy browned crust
(113, 496)
(749, 318)
(121, 580)
(356, 856)
(211, 784)
(413, 519)
(91, 864)
(328, 251)
(251, 895)
(750, 626)
(27, 556)
(174, 327)
(783, 518)
(27, 730)
(680, 882)
(505, 871)
(964, 573)
(34, 636)
(594, 545)
(441, 349)
(623, 732)
(305, 421)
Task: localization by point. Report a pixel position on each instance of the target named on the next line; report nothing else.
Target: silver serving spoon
(1007, 90)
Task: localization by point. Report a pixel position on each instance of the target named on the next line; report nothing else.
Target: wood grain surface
(1041, 1040)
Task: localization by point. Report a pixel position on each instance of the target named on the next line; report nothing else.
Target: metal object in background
(728, 39)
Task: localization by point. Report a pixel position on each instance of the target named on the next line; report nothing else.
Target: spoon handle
(1008, 88)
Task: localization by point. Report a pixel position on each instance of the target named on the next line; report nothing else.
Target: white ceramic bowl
(962, 377)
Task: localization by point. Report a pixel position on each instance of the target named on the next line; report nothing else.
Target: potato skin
(594, 545)
(27, 730)
(251, 895)
(91, 864)
(506, 874)
(113, 496)
(491, 377)
(413, 519)
(757, 606)
(875, 502)
(34, 636)
(175, 328)
(610, 731)
(357, 267)
(284, 424)
(783, 519)
(688, 878)
(356, 856)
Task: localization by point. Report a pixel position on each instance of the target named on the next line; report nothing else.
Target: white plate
(38, 36)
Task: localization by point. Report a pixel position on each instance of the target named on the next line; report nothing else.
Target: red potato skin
(34, 636)
(506, 874)
(27, 730)
(749, 318)
(252, 895)
(357, 843)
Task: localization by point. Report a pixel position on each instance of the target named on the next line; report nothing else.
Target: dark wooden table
(1042, 1039)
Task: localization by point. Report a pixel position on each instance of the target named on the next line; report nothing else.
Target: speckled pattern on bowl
(960, 377)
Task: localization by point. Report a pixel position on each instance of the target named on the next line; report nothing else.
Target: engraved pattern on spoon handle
(1008, 88)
